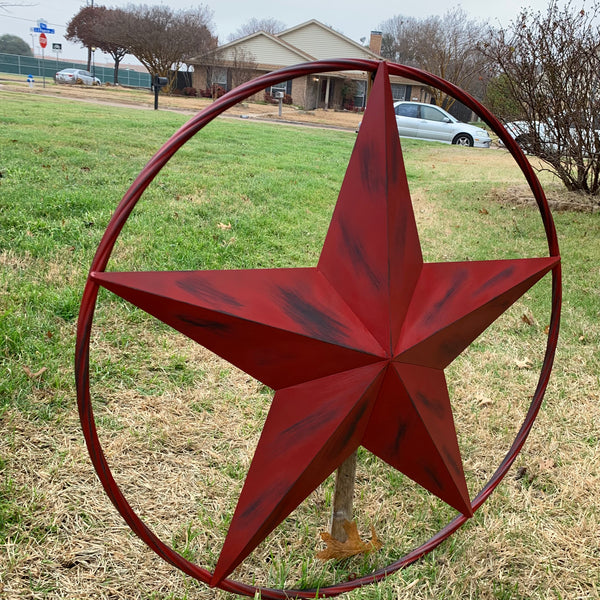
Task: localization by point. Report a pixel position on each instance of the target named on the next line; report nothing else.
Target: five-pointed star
(354, 348)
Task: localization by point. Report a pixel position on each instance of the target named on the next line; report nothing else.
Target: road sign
(42, 28)
(57, 47)
(43, 40)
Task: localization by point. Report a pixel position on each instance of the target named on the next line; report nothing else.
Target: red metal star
(354, 348)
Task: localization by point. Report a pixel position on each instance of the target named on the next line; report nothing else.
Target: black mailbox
(158, 83)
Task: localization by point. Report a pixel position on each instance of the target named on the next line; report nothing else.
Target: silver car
(430, 122)
(76, 76)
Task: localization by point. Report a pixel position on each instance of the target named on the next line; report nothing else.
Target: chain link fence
(47, 67)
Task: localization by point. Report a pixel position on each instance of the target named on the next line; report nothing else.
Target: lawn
(179, 425)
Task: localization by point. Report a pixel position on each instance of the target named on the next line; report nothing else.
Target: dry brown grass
(178, 456)
(179, 453)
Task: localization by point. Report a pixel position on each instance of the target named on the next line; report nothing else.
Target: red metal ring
(113, 230)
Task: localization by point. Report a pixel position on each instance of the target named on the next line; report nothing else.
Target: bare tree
(549, 64)
(445, 46)
(243, 66)
(6, 5)
(270, 25)
(163, 39)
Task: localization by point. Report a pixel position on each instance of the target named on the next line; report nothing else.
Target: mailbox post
(158, 83)
(279, 96)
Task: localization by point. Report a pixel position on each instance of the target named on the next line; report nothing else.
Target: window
(284, 86)
(361, 92)
(399, 91)
(218, 76)
(408, 110)
(432, 114)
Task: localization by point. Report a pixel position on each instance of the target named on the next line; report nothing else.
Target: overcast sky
(353, 18)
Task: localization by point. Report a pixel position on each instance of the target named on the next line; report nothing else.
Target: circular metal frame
(114, 228)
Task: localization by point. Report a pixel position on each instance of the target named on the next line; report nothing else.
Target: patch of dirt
(558, 200)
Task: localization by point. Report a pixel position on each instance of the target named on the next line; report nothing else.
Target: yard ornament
(355, 348)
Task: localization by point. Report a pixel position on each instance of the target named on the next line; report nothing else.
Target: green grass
(243, 195)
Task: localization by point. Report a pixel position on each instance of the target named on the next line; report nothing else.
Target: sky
(354, 18)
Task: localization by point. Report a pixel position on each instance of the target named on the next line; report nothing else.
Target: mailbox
(158, 83)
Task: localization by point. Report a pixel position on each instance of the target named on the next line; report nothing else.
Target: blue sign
(42, 28)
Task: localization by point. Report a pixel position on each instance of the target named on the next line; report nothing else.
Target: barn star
(355, 348)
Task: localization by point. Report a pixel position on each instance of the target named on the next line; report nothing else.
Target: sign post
(43, 44)
(58, 49)
(43, 29)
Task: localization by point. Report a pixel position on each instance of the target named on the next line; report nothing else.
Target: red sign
(43, 40)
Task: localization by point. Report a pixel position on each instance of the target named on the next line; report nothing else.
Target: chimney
(375, 42)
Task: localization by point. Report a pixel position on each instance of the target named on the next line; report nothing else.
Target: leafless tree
(243, 67)
(163, 39)
(445, 46)
(254, 25)
(549, 65)
(6, 5)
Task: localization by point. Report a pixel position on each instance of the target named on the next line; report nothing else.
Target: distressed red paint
(354, 348)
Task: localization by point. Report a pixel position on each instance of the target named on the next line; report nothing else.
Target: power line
(32, 21)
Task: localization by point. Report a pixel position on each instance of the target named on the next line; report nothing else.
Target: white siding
(321, 43)
(265, 52)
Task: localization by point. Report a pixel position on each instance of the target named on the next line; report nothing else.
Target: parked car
(76, 76)
(529, 137)
(430, 122)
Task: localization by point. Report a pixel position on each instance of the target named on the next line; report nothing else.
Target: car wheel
(463, 139)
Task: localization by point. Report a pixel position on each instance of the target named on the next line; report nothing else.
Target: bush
(190, 91)
(270, 99)
(217, 91)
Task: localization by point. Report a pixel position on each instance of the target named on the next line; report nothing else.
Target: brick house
(239, 61)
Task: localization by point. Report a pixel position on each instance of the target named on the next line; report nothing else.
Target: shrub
(217, 91)
(270, 99)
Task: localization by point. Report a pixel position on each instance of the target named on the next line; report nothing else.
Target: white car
(429, 122)
(76, 76)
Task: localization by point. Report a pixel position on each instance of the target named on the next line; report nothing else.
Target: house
(239, 61)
